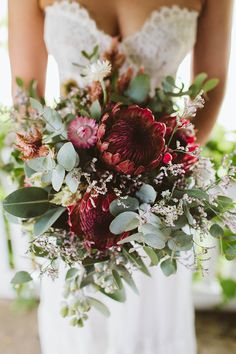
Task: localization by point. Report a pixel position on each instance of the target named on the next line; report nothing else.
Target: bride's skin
(28, 53)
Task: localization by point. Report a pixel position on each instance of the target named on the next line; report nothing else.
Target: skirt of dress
(158, 321)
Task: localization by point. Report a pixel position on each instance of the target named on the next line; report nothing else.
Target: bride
(156, 34)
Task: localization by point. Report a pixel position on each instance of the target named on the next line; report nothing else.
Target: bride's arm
(27, 50)
(211, 55)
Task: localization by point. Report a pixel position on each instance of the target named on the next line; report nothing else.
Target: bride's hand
(28, 54)
(211, 55)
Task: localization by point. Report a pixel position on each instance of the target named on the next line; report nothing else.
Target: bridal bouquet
(114, 182)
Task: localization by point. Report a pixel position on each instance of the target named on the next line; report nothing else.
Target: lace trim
(164, 13)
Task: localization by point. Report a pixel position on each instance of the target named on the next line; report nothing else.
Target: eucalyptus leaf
(47, 220)
(118, 295)
(138, 237)
(58, 175)
(121, 205)
(27, 202)
(127, 278)
(72, 181)
(41, 164)
(216, 231)
(71, 273)
(66, 156)
(147, 194)
(135, 258)
(152, 255)
(117, 279)
(181, 242)
(139, 88)
(168, 267)
(154, 241)
(124, 222)
(53, 119)
(98, 305)
(35, 104)
(28, 171)
(21, 278)
(96, 110)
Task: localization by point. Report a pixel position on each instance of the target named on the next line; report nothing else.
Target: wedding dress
(161, 319)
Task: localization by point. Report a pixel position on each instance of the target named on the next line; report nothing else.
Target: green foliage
(168, 267)
(47, 220)
(123, 222)
(21, 278)
(147, 194)
(27, 202)
(139, 88)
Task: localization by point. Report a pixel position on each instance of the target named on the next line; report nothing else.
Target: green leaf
(199, 80)
(98, 305)
(47, 220)
(19, 82)
(124, 222)
(154, 241)
(152, 255)
(53, 119)
(168, 267)
(41, 164)
(35, 104)
(127, 278)
(71, 273)
(138, 237)
(229, 288)
(118, 295)
(147, 194)
(210, 85)
(216, 231)
(21, 278)
(121, 205)
(180, 242)
(66, 156)
(72, 182)
(136, 259)
(96, 110)
(58, 175)
(196, 193)
(139, 88)
(225, 203)
(117, 279)
(27, 202)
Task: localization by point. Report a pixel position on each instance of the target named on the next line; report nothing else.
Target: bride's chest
(159, 45)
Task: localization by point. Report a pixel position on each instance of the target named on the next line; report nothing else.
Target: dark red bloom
(91, 219)
(130, 140)
(185, 135)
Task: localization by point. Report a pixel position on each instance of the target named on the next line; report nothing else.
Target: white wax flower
(97, 71)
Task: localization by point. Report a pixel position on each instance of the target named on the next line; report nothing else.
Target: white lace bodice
(159, 46)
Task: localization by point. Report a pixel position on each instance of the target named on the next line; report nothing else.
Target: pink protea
(185, 135)
(91, 219)
(130, 140)
(82, 132)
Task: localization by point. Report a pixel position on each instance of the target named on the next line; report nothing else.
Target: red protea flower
(30, 145)
(91, 219)
(130, 140)
(185, 135)
(82, 132)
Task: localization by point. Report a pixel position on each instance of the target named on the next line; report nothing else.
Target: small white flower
(97, 71)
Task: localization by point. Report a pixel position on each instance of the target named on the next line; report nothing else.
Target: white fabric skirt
(158, 321)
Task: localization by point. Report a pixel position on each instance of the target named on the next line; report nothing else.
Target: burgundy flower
(185, 136)
(82, 132)
(130, 140)
(91, 219)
